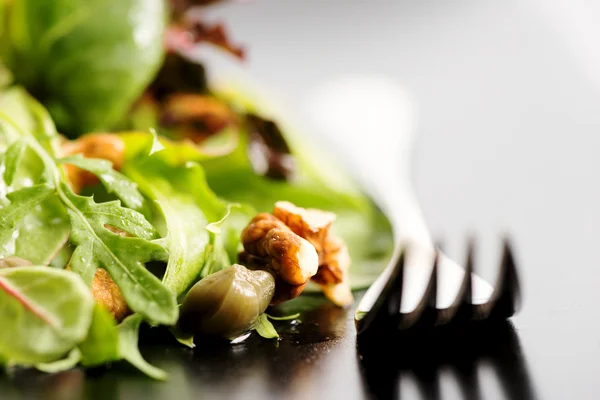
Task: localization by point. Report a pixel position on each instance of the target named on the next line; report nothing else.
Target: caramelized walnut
(194, 116)
(107, 294)
(334, 259)
(270, 245)
(107, 146)
(309, 223)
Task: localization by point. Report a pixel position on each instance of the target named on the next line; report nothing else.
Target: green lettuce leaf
(40, 233)
(128, 347)
(113, 181)
(87, 75)
(54, 309)
(265, 328)
(95, 245)
(122, 257)
(28, 115)
(101, 344)
(179, 190)
(65, 364)
(10, 160)
(108, 342)
(21, 203)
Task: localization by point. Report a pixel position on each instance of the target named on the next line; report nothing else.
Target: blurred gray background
(508, 97)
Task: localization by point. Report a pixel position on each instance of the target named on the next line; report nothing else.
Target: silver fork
(369, 122)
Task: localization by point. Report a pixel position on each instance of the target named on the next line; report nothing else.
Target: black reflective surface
(317, 357)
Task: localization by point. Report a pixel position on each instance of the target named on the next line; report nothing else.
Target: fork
(369, 122)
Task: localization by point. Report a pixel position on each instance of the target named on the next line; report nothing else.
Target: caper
(12, 262)
(226, 303)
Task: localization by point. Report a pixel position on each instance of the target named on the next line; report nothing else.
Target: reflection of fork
(369, 121)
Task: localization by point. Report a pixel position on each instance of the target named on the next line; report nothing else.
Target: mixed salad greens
(131, 191)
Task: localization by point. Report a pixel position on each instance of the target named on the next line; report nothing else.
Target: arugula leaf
(86, 74)
(102, 342)
(34, 225)
(11, 159)
(265, 328)
(44, 229)
(122, 257)
(97, 247)
(106, 342)
(128, 347)
(113, 181)
(21, 203)
(284, 318)
(54, 310)
(187, 205)
(70, 361)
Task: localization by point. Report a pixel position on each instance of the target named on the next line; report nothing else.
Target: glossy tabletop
(508, 100)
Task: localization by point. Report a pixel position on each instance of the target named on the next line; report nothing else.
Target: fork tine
(425, 313)
(505, 299)
(461, 308)
(509, 298)
(386, 308)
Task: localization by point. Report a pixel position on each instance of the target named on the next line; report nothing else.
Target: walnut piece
(270, 245)
(309, 223)
(334, 259)
(107, 146)
(194, 116)
(107, 294)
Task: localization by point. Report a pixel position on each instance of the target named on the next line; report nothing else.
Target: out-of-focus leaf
(87, 75)
(65, 364)
(101, 344)
(192, 30)
(54, 310)
(178, 187)
(10, 160)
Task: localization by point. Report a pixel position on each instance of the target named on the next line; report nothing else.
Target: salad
(134, 191)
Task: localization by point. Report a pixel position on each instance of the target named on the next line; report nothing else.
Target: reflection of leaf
(122, 257)
(53, 308)
(113, 181)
